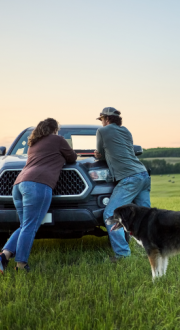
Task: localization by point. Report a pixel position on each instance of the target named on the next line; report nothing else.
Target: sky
(70, 59)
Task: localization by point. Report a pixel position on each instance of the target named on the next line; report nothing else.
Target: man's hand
(97, 154)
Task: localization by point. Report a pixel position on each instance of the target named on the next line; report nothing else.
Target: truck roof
(72, 126)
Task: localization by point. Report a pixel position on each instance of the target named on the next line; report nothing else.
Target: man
(115, 145)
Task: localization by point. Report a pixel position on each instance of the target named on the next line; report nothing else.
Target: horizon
(76, 145)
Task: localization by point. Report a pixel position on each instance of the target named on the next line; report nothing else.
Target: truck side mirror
(138, 150)
(2, 151)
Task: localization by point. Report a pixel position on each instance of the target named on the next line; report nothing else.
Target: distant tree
(160, 152)
(159, 166)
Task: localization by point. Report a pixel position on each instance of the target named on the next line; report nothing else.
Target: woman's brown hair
(44, 128)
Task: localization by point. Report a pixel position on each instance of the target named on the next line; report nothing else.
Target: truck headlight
(100, 175)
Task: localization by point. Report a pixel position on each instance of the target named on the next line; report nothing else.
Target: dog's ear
(133, 210)
(128, 212)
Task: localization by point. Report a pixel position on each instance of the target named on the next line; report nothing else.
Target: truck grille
(6, 182)
(70, 183)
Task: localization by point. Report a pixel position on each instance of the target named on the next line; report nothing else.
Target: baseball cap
(109, 111)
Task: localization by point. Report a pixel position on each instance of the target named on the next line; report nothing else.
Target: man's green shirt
(115, 144)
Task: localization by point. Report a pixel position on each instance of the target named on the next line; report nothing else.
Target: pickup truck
(81, 193)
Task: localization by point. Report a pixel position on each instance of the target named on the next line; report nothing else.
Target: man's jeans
(136, 189)
(32, 201)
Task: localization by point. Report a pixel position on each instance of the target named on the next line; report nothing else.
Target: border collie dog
(158, 231)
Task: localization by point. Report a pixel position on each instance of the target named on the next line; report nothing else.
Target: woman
(32, 191)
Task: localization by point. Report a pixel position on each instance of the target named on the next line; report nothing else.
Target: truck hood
(12, 161)
(84, 158)
(19, 161)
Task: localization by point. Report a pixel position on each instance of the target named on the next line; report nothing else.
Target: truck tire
(3, 239)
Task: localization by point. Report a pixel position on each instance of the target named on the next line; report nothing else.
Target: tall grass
(73, 285)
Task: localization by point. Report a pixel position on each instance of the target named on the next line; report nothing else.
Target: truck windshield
(21, 147)
(77, 138)
(80, 138)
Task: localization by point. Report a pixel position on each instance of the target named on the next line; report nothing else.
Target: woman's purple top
(46, 159)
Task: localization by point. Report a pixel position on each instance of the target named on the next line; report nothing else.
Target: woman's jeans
(136, 189)
(32, 201)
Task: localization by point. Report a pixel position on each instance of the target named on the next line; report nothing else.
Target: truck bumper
(62, 219)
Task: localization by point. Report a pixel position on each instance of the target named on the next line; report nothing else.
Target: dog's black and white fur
(158, 231)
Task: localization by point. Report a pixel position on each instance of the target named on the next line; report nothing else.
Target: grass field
(73, 286)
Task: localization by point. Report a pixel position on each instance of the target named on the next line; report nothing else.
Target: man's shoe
(3, 263)
(27, 268)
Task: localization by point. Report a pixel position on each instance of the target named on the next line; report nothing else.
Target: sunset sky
(70, 59)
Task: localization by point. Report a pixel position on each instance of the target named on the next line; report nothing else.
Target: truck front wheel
(3, 239)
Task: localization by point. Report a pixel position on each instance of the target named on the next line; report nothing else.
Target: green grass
(73, 286)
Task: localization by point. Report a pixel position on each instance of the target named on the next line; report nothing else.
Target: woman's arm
(68, 153)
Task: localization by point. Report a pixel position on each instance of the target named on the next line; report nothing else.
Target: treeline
(160, 152)
(159, 166)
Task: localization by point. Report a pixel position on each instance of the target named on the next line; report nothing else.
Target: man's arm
(99, 146)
